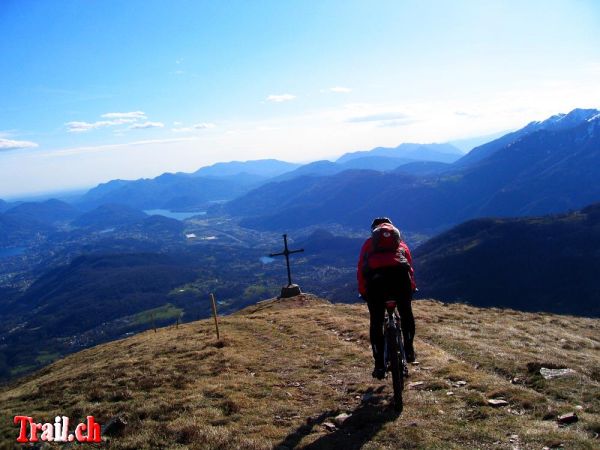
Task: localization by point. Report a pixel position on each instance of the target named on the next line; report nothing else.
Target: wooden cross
(287, 252)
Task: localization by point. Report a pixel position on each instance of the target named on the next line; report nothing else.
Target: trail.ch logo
(89, 431)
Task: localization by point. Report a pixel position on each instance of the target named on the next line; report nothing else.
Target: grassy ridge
(161, 313)
(285, 368)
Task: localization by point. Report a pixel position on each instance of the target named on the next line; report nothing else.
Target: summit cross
(287, 252)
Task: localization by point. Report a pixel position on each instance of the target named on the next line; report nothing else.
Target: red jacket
(364, 251)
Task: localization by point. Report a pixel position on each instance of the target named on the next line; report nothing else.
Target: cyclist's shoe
(379, 370)
(379, 373)
(411, 356)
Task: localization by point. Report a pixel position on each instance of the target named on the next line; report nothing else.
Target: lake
(11, 251)
(266, 259)
(173, 214)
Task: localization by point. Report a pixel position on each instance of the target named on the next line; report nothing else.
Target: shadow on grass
(365, 421)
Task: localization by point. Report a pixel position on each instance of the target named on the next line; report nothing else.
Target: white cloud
(198, 126)
(204, 126)
(143, 125)
(280, 98)
(9, 144)
(396, 123)
(116, 118)
(340, 89)
(81, 127)
(382, 116)
(125, 115)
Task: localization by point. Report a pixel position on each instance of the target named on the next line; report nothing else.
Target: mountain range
(169, 191)
(546, 170)
(266, 168)
(30, 222)
(409, 151)
(51, 212)
(557, 122)
(101, 248)
(227, 180)
(21, 224)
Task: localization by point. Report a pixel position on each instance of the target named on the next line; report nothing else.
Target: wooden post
(214, 310)
(153, 322)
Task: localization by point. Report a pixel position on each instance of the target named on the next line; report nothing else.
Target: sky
(96, 90)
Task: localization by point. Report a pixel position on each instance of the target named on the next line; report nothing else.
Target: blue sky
(96, 90)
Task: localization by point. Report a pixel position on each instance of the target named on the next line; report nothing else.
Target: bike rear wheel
(395, 367)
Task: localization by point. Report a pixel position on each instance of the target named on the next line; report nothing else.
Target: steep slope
(285, 369)
(548, 263)
(93, 299)
(554, 123)
(543, 172)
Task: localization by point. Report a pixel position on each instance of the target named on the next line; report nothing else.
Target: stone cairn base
(290, 291)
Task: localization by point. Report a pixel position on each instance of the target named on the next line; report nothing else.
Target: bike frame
(393, 352)
(392, 325)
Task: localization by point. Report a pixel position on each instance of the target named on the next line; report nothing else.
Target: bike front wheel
(395, 367)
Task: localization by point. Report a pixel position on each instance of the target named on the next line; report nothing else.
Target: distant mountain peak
(568, 120)
(557, 122)
(263, 167)
(409, 151)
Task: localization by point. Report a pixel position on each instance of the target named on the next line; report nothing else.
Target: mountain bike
(393, 352)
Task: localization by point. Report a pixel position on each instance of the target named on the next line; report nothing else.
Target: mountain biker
(386, 272)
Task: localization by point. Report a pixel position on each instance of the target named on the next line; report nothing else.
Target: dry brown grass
(286, 367)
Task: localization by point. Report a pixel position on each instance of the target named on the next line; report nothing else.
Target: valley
(104, 266)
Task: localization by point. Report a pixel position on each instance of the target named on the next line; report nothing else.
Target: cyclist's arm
(412, 270)
(362, 283)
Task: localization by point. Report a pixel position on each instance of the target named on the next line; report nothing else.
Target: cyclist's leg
(377, 316)
(407, 320)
